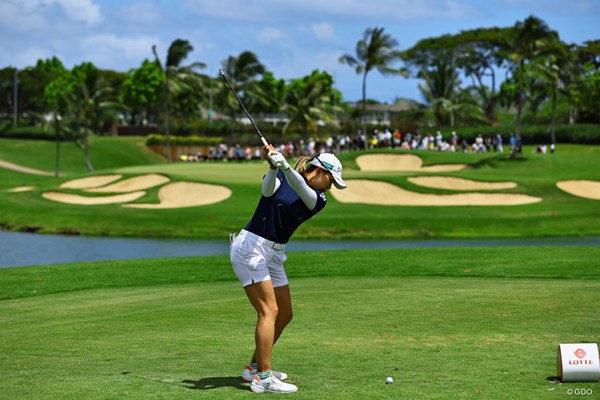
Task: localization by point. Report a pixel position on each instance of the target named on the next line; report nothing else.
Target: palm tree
(529, 41)
(555, 73)
(308, 102)
(242, 72)
(376, 50)
(93, 102)
(61, 102)
(177, 77)
(441, 83)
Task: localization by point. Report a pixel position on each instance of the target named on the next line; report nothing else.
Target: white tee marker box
(578, 362)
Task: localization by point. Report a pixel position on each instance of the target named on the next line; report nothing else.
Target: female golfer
(289, 197)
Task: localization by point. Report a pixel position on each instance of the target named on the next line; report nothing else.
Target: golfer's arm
(306, 193)
(270, 183)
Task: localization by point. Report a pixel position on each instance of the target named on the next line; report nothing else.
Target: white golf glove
(279, 160)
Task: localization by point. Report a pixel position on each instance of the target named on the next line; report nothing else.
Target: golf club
(262, 138)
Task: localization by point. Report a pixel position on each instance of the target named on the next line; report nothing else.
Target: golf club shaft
(262, 138)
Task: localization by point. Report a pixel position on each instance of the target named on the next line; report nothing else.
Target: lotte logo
(580, 353)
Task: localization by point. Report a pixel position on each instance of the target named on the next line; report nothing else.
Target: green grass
(460, 323)
(559, 214)
(105, 153)
(446, 323)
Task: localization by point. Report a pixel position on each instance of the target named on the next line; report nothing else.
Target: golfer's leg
(285, 314)
(262, 297)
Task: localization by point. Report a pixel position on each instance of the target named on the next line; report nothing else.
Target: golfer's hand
(267, 150)
(276, 158)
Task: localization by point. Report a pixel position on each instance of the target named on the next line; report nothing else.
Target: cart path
(19, 168)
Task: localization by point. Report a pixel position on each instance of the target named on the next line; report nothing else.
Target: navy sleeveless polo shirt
(277, 217)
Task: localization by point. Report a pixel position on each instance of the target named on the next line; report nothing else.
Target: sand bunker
(21, 189)
(90, 182)
(88, 201)
(383, 193)
(186, 194)
(581, 188)
(174, 195)
(401, 162)
(451, 183)
(141, 182)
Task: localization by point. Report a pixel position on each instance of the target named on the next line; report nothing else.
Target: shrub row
(32, 132)
(535, 134)
(156, 139)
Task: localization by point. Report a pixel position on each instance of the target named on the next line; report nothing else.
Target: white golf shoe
(271, 385)
(249, 372)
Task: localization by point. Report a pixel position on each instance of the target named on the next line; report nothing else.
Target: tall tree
(94, 98)
(83, 97)
(438, 62)
(554, 72)
(30, 83)
(308, 102)
(478, 55)
(243, 72)
(7, 89)
(441, 84)
(273, 92)
(530, 39)
(376, 50)
(585, 87)
(61, 99)
(177, 77)
(141, 92)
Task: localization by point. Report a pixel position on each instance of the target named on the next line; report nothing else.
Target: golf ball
(389, 380)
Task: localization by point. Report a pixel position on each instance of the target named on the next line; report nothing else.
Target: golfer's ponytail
(302, 164)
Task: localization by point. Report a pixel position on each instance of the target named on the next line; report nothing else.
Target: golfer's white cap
(331, 163)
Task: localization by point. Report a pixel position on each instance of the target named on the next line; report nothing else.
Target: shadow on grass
(215, 382)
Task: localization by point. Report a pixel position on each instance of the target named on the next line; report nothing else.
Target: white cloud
(322, 30)
(140, 13)
(37, 14)
(19, 16)
(78, 10)
(270, 35)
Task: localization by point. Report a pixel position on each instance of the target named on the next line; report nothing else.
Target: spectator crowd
(384, 139)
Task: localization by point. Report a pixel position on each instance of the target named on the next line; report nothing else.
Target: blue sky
(291, 37)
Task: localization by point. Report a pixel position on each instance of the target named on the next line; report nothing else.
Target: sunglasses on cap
(328, 167)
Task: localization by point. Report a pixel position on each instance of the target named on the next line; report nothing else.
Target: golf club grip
(264, 141)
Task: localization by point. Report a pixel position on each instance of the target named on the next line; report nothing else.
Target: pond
(26, 249)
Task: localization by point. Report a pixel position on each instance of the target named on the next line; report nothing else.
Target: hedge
(532, 134)
(33, 132)
(156, 139)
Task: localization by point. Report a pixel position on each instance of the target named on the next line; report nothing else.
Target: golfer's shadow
(215, 382)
